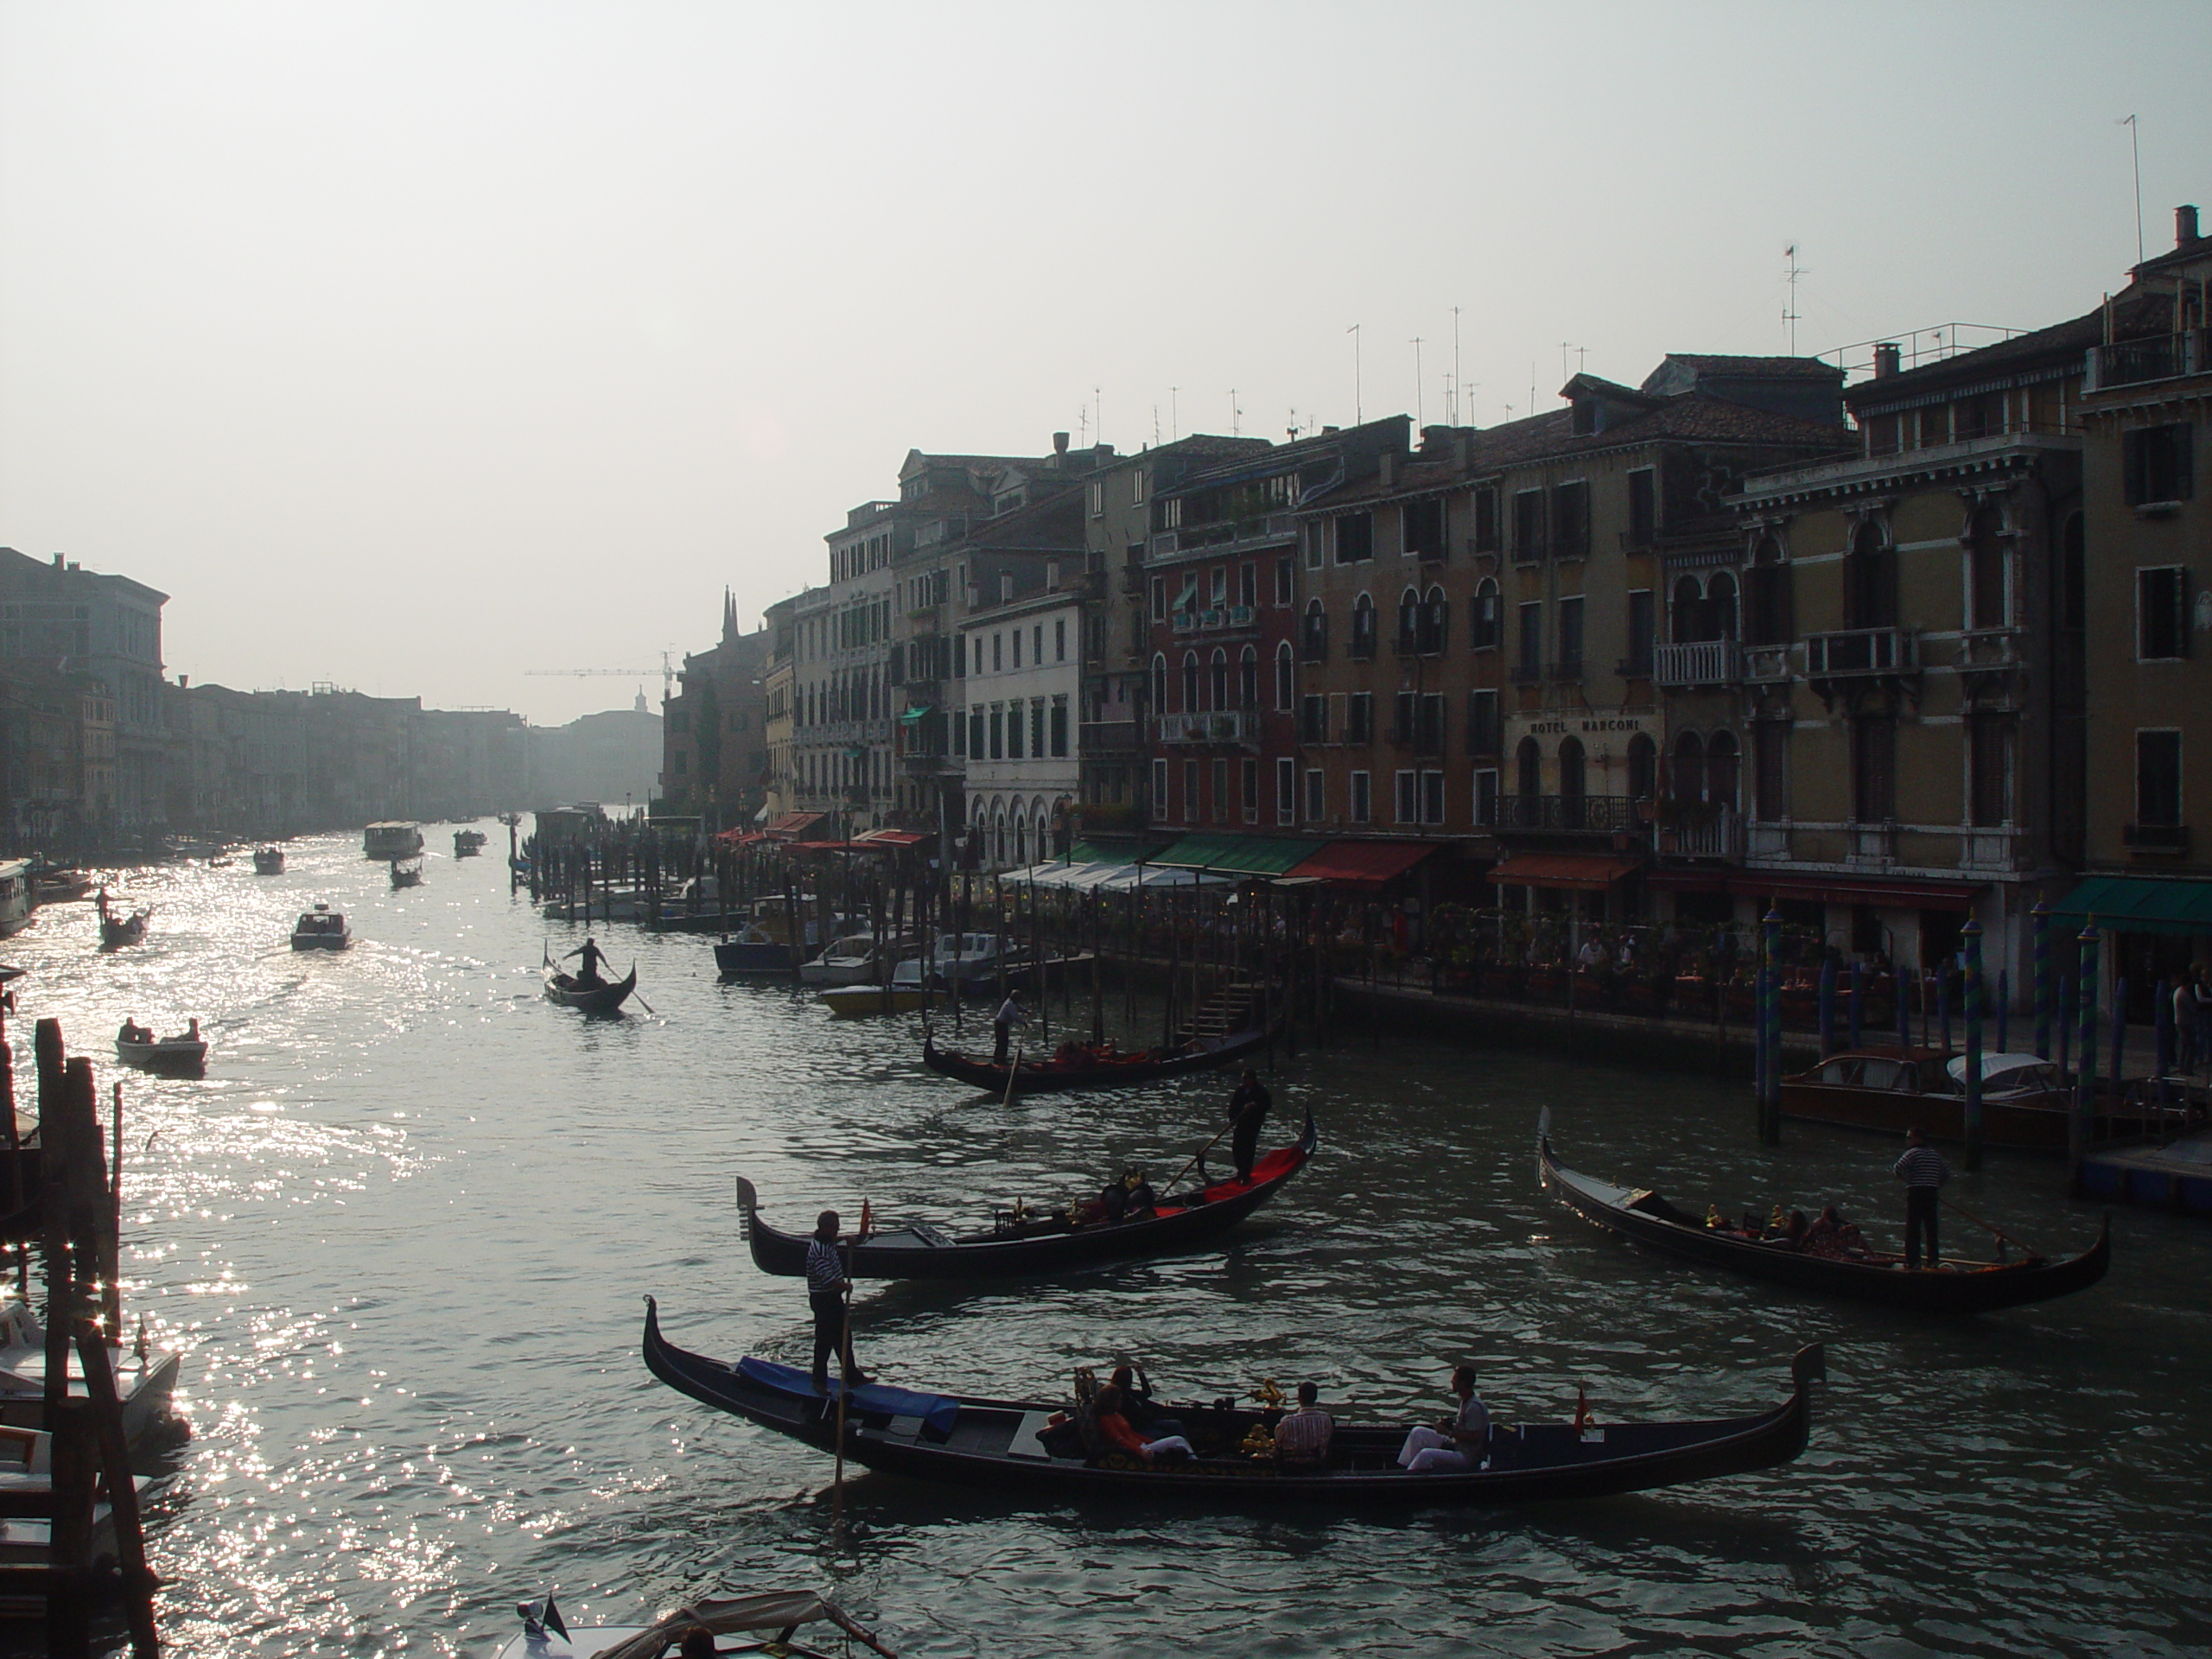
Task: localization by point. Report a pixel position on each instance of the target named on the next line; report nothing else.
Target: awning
(1574, 872)
(888, 838)
(1238, 855)
(1363, 863)
(2133, 904)
(741, 837)
(918, 711)
(1846, 890)
(793, 823)
(1111, 875)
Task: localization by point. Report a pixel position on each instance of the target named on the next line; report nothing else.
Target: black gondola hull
(1035, 1077)
(1979, 1290)
(596, 999)
(1527, 1463)
(993, 1257)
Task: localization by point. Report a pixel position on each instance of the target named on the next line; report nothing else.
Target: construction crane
(667, 672)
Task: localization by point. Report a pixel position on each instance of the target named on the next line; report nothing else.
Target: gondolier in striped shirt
(826, 1290)
(1924, 1173)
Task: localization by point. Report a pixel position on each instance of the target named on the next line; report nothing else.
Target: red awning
(1848, 890)
(741, 837)
(1360, 863)
(793, 823)
(889, 838)
(1576, 872)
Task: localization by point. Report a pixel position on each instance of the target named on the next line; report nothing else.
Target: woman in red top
(1115, 1429)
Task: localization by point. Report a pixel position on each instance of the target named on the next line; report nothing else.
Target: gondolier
(587, 973)
(1010, 1015)
(1924, 1173)
(826, 1290)
(1248, 1114)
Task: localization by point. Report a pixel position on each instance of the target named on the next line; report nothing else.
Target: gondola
(1088, 1071)
(1044, 1243)
(1957, 1286)
(982, 1442)
(569, 992)
(115, 935)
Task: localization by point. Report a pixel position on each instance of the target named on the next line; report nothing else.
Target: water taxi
(320, 929)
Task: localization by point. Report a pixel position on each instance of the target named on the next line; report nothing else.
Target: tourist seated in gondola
(1833, 1238)
(1302, 1437)
(1137, 1403)
(1791, 1235)
(1117, 1433)
(1458, 1444)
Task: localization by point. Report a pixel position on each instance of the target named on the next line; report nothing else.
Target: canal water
(403, 1229)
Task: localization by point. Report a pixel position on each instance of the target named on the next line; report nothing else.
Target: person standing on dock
(1924, 1173)
(1248, 1111)
(1010, 1015)
(827, 1287)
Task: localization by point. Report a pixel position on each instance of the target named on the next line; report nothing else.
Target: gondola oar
(2003, 1237)
(641, 1001)
(1200, 1153)
(1011, 1072)
(845, 1368)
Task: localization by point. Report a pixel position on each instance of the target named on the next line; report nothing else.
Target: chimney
(1887, 357)
(2185, 224)
(184, 681)
(1059, 443)
(57, 561)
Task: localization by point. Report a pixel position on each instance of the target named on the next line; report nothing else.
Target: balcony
(1719, 836)
(1767, 843)
(1697, 663)
(2168, 840)
(1102, 737)
(1221, 726)
(2160, 357)
(1871, 846)
(1985, 847)
(1765, 664)
(1595, 815)
(1221, 619)
(1861, 652)
(1240, 536)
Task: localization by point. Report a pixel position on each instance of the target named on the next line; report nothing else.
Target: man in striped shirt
(826, 1290)
(1924, 1173)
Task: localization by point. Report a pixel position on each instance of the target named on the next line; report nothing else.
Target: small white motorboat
(184, 1055)
(320, 929)
(144, 1379)
(772, 1618)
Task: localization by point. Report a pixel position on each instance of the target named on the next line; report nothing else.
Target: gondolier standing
(587, 971)
(1247, 1112)
(1010, 1015)
(1924, 1173)
(827, 1287)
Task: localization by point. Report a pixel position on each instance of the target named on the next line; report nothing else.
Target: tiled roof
(2138, 314)
(1766, 368)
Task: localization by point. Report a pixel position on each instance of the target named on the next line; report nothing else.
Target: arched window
(1689, 611)
(998, 855)
(1020, 839)
(1722, 767)
(1220, 678)
(1529, 767)
(1482, 616)
(1316, 633)
(1190, 682)
(1986, 569)
(1766, 596)
(1436, 621)
(1643, 768)
(1363, 627)
(1286, 678)
(1720, 607)
(1158, 683)
(1689, 767)
(1247, 678)
(1869, 580)
(1408, 622)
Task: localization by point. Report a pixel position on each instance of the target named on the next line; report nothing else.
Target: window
(2158, 780)
(1354, 537)
(1643, 508)
(1363, 799)
(1989, 742)
(1637, 658)
(1722, 769)
(998, 653)
(1098, 497)
(1159, 598)
(1870, 581)
(976, 749)
(1874, 768)
(1359, 717)
(1247, 678)
(1484, 732)
(1573, 769)
(1766, 596)
(1286, 677)
(1313, 535)
(1218, 577)
(1362, 629)
(1013, 731)
(1248, 585)
(1532, 641)
(1159, 791)
(1409, 623)
(1017, 647)
(1191, 812)
(1190, 682)
(1060, 729)
(1250, 800)
(1220, 678)
(1485, 801)
(1136, 488)
(2161, 614)
(1643, 768)
(1428, 735)
(1482, 616)
(1313, 637)
(1159, 685)
(1434, 622)
(2155, 464)
(998, 732)
(1936, 425)
(1317, 795)
(1406, 717)
(1314, 719)
(1528, 525)
(1284, 580)
(1424, 529)
(1409, 797)
(1285, 791)
(960, 735)
(1485, 536)
(1570, 637)
(1221, 791)
(1571, 520)
(1986, 571)
(1059, 640)
(1432, 797)
(1529, 767)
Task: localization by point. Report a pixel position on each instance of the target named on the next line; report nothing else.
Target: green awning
(2132, 903)
(1239, 854)
(917, 712)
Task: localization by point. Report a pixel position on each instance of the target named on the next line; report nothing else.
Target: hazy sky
(414, 347)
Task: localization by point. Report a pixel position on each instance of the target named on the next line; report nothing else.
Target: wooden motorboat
(856, 960)
(775, 1615)
(144, 1379)
(58, 885)
(184, 1056)
(1022, 1243)
(268, 861)
(752, 954)
(1958, 1286)
(984, 1442)
(606, 997)
(320, 929)
(468, 843)
(406, 873)
(1077, 1066)
(2025, 1102)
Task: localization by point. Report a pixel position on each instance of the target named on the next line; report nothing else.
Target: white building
(1023, 688)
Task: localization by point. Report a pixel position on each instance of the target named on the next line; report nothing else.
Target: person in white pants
(1455, 1446)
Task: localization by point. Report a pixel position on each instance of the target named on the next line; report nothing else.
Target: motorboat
(14, 896)
(184, 1055)
(144, 1379)
(904, 995)
(972, 962)
(854, 960)
(2026, 1102)
(320, 929)
(468, 843)
(406, 873)
(268, 861)
(392, 839)
(774, 1617)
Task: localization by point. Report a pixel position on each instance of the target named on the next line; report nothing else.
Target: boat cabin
(392, 839)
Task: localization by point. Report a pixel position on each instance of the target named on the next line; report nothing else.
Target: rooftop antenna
(1358, 415)
(1098, 413)
(1564, 348)
(1793, 271)
(1293, 429)
(1083, 427)
(1532, 382)
(1155, 426)
(1421, 419)
(1236, 415)
(2135, 149)
(1174, 415)
(1453, 415)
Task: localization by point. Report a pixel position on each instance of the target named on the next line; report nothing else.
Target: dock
(2176, 1175)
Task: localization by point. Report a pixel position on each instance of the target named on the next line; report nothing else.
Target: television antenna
(1791, 273)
